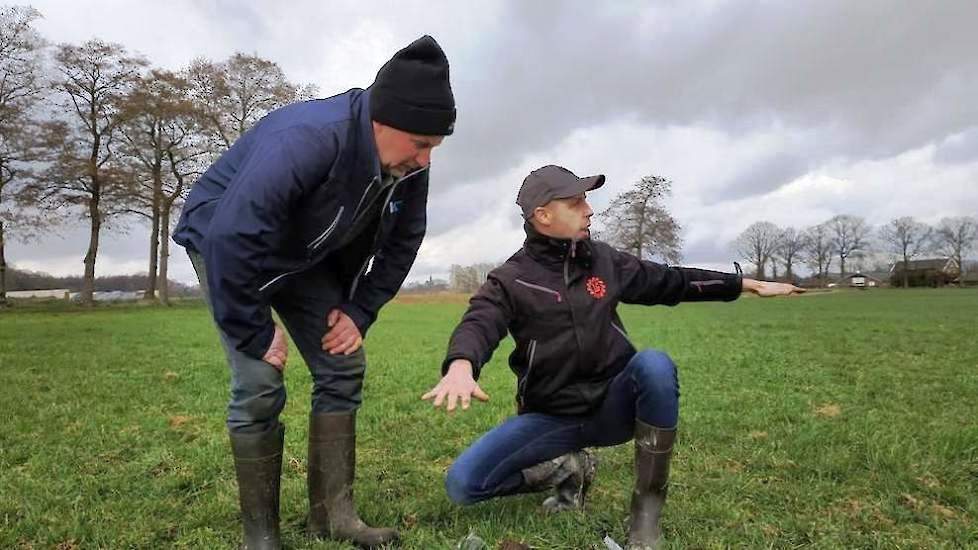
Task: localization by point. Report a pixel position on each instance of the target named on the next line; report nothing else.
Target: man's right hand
(278, 352)
(457, 385)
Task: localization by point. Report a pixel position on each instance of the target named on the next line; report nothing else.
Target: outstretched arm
(649, 283)
(471, 346)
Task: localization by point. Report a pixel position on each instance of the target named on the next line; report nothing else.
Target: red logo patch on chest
(596, 287)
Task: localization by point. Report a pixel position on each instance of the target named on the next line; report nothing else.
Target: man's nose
(424, 158)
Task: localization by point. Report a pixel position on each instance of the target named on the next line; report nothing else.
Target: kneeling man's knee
(657, 373)
(460, 486)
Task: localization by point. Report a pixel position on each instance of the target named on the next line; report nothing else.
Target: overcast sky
(789, 112)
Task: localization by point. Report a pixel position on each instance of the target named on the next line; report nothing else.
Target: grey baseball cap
(552, 182)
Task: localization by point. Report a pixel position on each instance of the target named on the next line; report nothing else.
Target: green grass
(843, 420)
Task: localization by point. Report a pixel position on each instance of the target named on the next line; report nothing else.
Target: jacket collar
(552, 251)
(368, 160)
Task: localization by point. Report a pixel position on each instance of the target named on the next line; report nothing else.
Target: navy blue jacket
(282, 199)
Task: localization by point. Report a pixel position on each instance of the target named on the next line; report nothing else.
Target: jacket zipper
(276, 278)
(356, 211)
(329, 230)
(312, 246)
(622, 332)
(529, 369)
(577, 336)
(356, 280)
(409, 174)
(700, 284)
(375, 180)
(540, 288)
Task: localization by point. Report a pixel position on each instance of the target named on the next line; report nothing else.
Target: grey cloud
(960, 148)
(762, 177)
(453, 205)
(873, 79)
(707, 251)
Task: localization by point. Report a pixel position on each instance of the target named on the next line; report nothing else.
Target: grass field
(842, 420)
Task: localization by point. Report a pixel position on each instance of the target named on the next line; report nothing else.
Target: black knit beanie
(412, 91)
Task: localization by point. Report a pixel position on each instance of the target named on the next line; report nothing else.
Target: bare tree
(148, 115)
(957, 237)
(636, 221)
(92, 80)
(757, 244)
(791, 243)
(818, 250)
(234, 94)
(907, 238)
(849, 237)
(186, 161)
(20, 92)
(469, 278)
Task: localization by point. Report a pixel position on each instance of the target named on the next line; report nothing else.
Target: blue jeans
(647, 389)
(258, 388)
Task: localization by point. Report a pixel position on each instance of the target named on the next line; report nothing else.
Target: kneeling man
(581, 383)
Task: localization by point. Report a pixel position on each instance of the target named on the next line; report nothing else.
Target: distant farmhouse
(929, 272)
(860, 280)
(969, 277)
(933, 272)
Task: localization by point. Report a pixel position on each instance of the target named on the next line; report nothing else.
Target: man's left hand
(766, 289)
(342, 334)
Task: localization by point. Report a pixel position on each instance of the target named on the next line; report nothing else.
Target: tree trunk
(88, 283)
(906, 271)
(154, 249)
(641, 231)
(842, 266)
(164, 285)
(94, 212)
(154, 240)
(3, 270)
(787, 272)
(958, 257)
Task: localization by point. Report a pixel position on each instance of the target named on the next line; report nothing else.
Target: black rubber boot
(258, 466)
(331, 470)
(570, 476)
(653, 451)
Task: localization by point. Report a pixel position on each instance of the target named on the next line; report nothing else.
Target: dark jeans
(648, 389)
(258, 388)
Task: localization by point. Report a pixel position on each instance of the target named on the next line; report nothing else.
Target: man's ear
(542, 216)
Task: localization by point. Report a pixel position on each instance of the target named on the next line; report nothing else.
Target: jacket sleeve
(482, 327)
(650, 283)
(393, 260)
(249, 223)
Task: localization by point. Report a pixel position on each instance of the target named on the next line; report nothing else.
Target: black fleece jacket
(559, 299)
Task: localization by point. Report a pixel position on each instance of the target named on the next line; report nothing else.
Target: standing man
(289, 218)
(581, 381)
